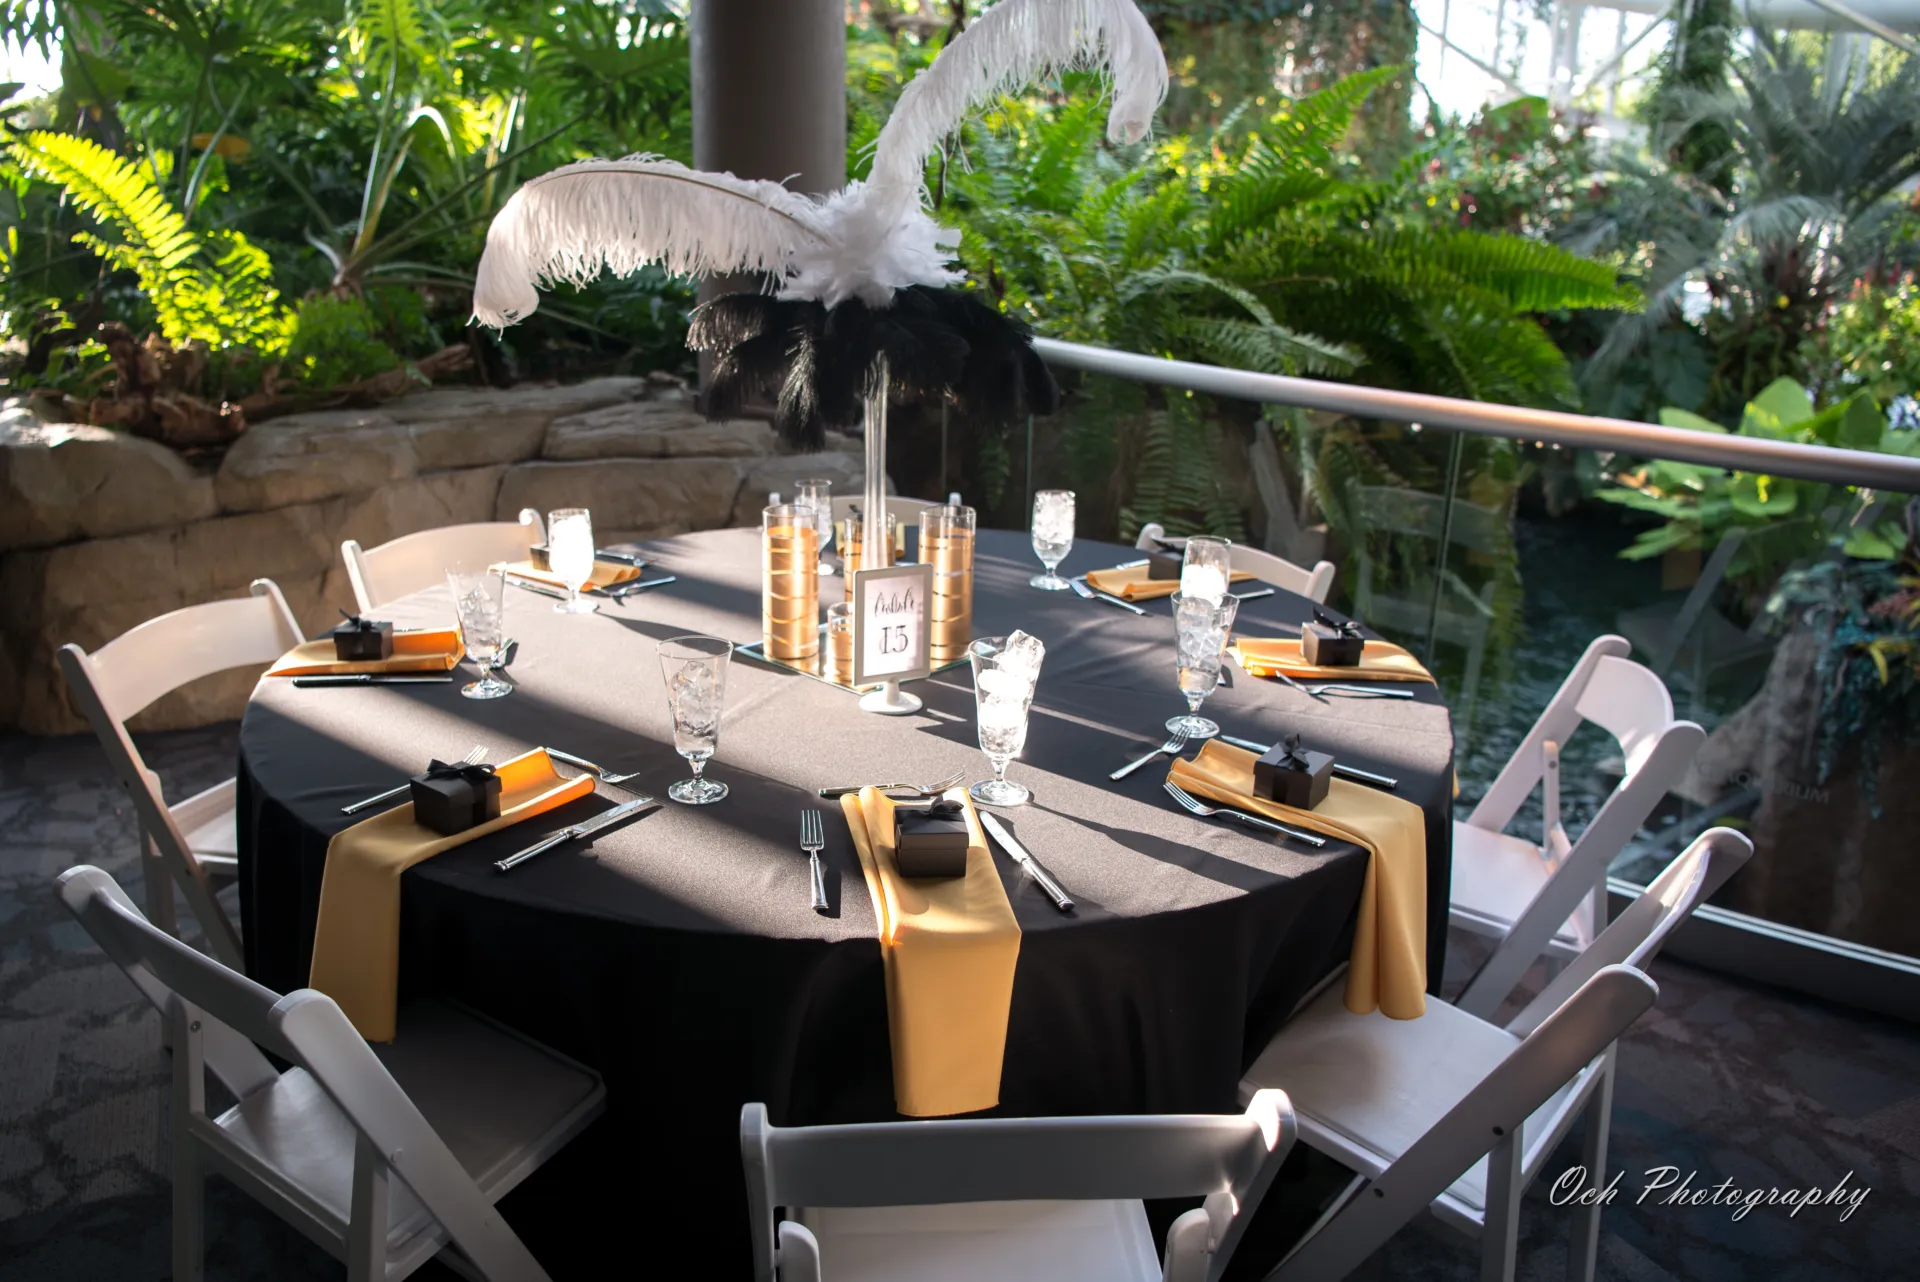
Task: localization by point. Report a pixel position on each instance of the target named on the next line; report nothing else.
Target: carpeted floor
(1723, 1080)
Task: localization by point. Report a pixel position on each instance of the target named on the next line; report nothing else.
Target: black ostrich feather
(816, 363)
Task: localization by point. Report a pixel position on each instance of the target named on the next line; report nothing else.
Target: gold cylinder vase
(789, 582)
(946, 544)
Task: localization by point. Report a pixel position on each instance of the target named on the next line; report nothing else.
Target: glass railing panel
(1762, 619)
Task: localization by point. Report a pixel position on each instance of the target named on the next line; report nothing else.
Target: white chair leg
(158, 883)
(189, 1176)
(1500, 1238)
(189, 1210)
(367, 1225)
(1583, 1247)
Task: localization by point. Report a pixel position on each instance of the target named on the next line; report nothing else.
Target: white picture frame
(891, 623)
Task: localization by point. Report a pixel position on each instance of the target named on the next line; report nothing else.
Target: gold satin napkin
(949, 946)
(356, 942)
(1389, 960)
(1379, 661)
(1133, 584)
(606, 574)
(424, 651)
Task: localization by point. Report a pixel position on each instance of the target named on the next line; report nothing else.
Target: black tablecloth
(678, 954)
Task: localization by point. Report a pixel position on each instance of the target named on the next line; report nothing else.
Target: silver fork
(1172, 747)
(1201, 808)
(471, 759)
(812, 839)
(583, 764)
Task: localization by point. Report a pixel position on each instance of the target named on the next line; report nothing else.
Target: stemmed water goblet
(1052, 536)
(479, 601)
(1206, 568)
(816, 494)
(570, 554)
(695, 669)
(1004, 672)
(1201, 628)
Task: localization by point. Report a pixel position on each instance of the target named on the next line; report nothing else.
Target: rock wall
(100, 531)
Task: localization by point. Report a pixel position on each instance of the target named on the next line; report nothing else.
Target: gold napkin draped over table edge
(356, 941)
(434, 650)
(1379, 661)
(1134, 583)
(949, 946)
(1388, 970)
(606, 574)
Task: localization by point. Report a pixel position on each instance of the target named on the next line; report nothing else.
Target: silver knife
(540, 588)
(1254, 595)
(1350, 772)
(1081, 586)
(1377, 692)
(368, 679)
(585, 828)
(626, 589)
(1040, 875)
(622, 558)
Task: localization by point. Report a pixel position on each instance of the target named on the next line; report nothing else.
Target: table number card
(890, 635)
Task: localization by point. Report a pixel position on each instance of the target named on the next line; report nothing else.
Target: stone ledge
(665, 428)
(62, 481)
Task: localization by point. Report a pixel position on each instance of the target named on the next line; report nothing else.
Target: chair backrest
(1636, 936)
(115, 682)
(1632, 705)
(1489, 1119)
(1314, 584)
(421, 559)
(222, 1020)
(1228, 1159)
(1604, 687)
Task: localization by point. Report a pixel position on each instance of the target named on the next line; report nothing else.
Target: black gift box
(1164, 565)
(1292, 775)
(931, 839)
(1328, 643)
(361, 640)
(454, 798)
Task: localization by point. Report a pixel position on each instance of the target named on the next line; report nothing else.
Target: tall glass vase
(876, 549)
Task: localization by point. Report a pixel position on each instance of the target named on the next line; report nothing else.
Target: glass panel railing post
(1454, 448)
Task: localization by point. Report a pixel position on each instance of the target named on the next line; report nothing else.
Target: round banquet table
(678, 955)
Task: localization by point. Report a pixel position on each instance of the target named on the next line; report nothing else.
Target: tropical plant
(1785, 520)
(1812, 200)
(216, 288)
(1275, 254)
(1868, 672)
(1872, 342)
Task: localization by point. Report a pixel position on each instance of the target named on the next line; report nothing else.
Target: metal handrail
(1578, 431)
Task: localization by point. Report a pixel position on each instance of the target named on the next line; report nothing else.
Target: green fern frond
(218, 291)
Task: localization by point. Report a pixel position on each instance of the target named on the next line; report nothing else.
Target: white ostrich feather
(1013, 44)
(620, 215)
(871, 246)
(867, 241)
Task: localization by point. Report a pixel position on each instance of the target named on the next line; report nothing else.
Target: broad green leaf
(1674, 416)
(1861, 424)
(1763, 496)
(1880, 544)
(1781, 405)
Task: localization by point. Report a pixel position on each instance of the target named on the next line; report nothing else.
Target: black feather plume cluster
(816, 363)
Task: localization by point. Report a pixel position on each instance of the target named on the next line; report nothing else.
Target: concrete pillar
(770, 91)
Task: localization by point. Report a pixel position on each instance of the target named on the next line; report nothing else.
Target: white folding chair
(1455, 1114)
(420, 560)
(194, 841)
(384, 1160)
(1045, 1199)
(1551, 898)
(1312, 584)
